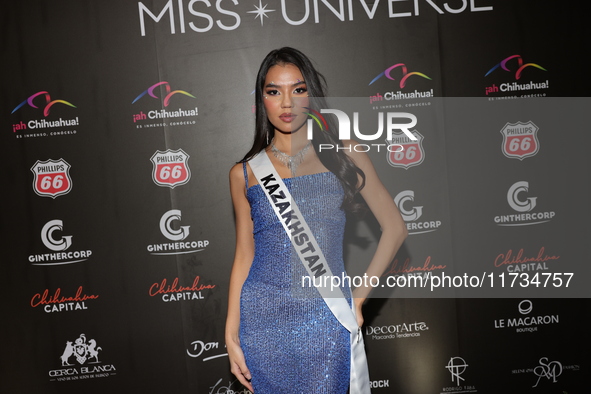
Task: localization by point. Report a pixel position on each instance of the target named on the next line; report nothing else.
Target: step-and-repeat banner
(120, 120)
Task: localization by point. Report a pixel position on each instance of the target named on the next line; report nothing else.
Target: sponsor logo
(59, 303)
(411, 214)
(175, 292)
(412, 152)
(547, 371)
(181, 17)
(233, 387)
(378, 384)
(520, 262)
(396, 331)
(526, 323)
(170, 168)
(164, 116)
(456, 367)
(81, 361)
(397, 268)
(177, 234)
(205, 350)
(59, 245)
(520, 140)
(51, 178)
(43, 127)
(515, 66)
(403, 75)
(523, 205)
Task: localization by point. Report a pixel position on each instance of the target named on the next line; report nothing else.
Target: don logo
(413, 153)
(170, 168)
(520, 140)
(51, 178)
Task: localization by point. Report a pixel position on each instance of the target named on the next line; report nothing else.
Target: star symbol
(260, 11)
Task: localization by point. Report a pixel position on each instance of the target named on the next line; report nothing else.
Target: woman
(281, 337)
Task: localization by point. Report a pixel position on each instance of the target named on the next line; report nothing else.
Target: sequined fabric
(291, 340)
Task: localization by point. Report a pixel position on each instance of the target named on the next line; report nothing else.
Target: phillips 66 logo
(52, 178)
(170, 168)
(413, 153)
(520, 140)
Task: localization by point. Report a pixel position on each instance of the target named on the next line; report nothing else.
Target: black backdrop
(83, 272)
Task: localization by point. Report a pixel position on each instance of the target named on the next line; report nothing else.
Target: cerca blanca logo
(58, 244)
(412, 213)
(80, 360)
(522, 204)
(169, 229)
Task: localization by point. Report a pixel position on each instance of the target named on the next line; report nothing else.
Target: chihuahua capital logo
(519, 69)
(405, 74)
(168, 93)
(47, 104)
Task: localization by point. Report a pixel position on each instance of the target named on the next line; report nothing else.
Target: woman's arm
(242, 260)
(383, 208)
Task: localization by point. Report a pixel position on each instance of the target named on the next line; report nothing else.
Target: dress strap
(245, 174)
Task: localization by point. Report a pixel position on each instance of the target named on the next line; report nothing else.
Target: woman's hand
(358, 313)
(238, 364)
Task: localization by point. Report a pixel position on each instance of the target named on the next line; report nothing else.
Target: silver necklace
(291, 162)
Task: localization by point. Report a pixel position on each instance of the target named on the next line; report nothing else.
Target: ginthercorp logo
(80, 360)
(401, 75)
(514, 65)
(412, 213)
(36, 127)
(344, 129)
(177, 233)
(51, 178)
(164, 116)
(520, 140)
(526, 322)
(519, 200)
(411, 153)
(54, 240)
(170, 168)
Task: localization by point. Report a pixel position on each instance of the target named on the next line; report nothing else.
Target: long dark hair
(336, 161)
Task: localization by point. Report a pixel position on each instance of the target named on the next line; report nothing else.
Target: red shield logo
(520, 140)
(170, 168)
(413, 153)
(52, 178)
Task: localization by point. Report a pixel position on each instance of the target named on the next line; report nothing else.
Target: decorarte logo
(51, 178)
(35, 101)
(403, 78)
(517, 67)
(164, 116)
(81, 361)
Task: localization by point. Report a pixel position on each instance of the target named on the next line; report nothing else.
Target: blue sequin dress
(291, 340)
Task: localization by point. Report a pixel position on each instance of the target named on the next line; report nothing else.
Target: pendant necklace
(291, 162)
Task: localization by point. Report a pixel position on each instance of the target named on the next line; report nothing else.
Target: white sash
(315, 263)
